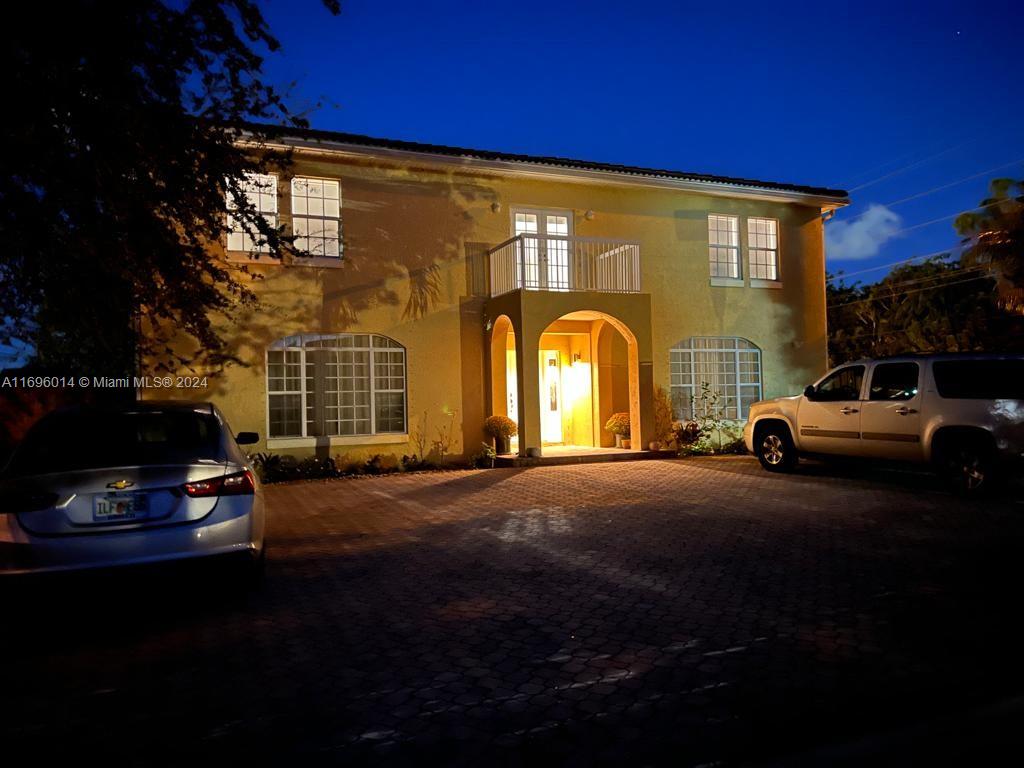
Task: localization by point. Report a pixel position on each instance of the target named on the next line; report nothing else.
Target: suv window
(894, 381)
(980, 379)
(844, 384)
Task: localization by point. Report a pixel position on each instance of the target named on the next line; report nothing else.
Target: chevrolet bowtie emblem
(120, 485)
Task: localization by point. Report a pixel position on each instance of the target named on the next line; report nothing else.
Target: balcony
(565, 263)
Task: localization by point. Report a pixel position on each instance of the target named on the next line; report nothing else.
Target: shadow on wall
(794, 339)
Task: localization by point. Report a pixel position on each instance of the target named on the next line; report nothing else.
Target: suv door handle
(903, 410)
(846, 411)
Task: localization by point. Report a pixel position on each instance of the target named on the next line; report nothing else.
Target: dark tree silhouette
(118, 150)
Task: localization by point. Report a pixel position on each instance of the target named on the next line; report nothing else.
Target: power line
(914, 290)
(906, 168)
(890, 264)
(902, 158)
(933, 190)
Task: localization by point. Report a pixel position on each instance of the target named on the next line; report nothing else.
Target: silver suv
(963, 413)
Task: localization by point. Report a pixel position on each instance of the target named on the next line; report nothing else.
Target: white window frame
(302, 344)
(756, 245)
(713, 257)
(261, 190)
(684, 352)
(301, 202)
(538, 269)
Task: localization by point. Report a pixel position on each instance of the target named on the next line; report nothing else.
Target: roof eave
(562, 172)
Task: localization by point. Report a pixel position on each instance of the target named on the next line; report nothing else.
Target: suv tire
(775, 450)
(968, 467)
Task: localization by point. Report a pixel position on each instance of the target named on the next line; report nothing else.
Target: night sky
(883, 100)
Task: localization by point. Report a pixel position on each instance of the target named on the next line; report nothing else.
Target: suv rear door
(830, 420)
(890, 419)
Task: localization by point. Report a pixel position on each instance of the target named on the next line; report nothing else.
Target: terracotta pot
(654, 445)
(626, 443)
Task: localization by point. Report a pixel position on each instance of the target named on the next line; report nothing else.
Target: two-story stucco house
(450, 284)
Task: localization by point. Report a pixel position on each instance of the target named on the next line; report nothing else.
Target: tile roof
(312, 134)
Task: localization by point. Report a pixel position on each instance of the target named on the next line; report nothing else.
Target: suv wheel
(775, 449)
(969, 469)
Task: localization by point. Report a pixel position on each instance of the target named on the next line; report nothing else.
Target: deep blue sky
(816, 93)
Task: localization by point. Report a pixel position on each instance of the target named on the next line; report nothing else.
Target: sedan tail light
(238, 484)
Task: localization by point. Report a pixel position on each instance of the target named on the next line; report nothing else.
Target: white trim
(311, 442)
(727, 282)
(585, 175)
(755, 283)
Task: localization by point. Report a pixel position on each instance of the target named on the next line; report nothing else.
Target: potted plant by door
(618, 425)
(502, 429)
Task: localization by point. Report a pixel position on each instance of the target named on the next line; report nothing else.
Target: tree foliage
(118, 154)
(994, 233)
(944, 304)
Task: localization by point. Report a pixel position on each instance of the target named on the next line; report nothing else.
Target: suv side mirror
(810, 392)
(247, 438)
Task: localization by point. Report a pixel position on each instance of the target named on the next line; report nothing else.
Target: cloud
(862, 237)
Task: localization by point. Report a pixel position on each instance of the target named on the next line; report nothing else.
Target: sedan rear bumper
(231, 527)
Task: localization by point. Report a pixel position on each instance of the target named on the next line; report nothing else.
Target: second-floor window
(260, 190)
(763, 247)
(724, 245)
(316, 216)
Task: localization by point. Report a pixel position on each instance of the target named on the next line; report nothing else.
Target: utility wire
(914, 290)
(917, 164)
(890, 264)
(933, 190)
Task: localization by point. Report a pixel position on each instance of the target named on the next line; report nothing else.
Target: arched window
(730, 366)
(335, 384)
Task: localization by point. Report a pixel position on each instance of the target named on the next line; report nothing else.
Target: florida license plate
(120, 506)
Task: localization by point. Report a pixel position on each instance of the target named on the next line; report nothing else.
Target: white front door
(550, 397)
(547, 257)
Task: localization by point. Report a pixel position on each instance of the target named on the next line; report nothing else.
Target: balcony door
(543, 261)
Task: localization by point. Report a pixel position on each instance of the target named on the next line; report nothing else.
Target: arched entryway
(564, 379)
(504, 373)
(588, 371)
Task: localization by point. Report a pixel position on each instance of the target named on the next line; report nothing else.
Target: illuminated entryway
(587, 369)
(584, 378)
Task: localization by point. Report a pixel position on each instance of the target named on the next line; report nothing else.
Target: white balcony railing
(565, 263)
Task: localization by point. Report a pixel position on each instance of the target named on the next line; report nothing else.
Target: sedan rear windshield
(980, 379)
(75, 440)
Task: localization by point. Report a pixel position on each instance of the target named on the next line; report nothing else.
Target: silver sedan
(100, 486)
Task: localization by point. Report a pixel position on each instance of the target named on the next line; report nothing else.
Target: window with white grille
(260, 190)
(724, 245)
(316, 216)
(763, 248)
(336, 384)
(730, 366)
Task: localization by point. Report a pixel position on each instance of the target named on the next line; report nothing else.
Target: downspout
(826, 216)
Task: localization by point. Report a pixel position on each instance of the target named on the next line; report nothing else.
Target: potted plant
(618, 425)
(502, 429)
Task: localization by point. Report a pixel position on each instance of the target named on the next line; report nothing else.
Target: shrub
(618, 424)
(685, 432)
(500, 427)
(726, 439)
(485, 458)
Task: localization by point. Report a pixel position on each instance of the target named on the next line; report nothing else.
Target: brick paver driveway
(677, 612)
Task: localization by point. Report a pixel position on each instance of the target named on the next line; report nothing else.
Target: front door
(890, 420)
(830, 421)
(550, 397)
(547, 257)
(512, 393)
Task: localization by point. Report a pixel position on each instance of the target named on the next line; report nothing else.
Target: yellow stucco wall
(414, 268)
